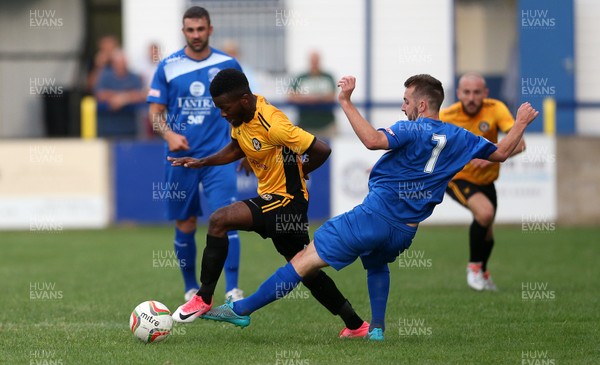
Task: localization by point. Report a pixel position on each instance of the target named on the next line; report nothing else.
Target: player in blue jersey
(183, 113)
(404, 187)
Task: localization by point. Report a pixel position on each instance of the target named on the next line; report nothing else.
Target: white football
(151, 321)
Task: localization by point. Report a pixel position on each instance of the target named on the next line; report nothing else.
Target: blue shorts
(219, 185)
(361, 233)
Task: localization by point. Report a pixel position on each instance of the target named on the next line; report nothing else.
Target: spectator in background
(120, 93)
(232, 48)
(314, 95)
(107, 45)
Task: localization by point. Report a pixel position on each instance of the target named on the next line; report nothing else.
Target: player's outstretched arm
(369, 136)
(525, 115)
(230, 153)
(316, 156)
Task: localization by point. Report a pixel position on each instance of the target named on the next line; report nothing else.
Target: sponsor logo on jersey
(195, 119)
(484, 126)
(256, 143)
(197, 88)
(154, 92)
(258, 164)
(190, 103)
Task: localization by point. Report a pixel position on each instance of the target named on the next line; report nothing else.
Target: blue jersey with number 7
(410, 179)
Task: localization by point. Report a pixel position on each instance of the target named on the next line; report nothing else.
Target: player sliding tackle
(274, 148)
(383, 226)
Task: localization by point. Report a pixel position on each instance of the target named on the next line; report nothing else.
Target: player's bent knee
(218, 221)
(485, 217)
(186, 225)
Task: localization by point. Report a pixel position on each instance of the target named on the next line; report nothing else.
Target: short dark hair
(229, 81)
(428, 87)
(196, 12)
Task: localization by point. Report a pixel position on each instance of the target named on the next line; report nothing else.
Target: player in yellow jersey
(281, 155)
(473, 187)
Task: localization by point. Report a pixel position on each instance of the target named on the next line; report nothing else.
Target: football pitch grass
(67, 296)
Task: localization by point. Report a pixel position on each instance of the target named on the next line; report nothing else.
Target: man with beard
(183, 113)
(473, 187)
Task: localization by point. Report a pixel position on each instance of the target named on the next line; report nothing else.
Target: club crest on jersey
(212, 72)
(484, 126)
(197, 88)
(256, 143)
(267, 197)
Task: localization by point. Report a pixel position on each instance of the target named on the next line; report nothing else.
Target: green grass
(100, 276)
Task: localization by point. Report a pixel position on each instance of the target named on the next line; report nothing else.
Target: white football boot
(475, 278)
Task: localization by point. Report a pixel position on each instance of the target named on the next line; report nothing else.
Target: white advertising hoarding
(526, 187)
(51, 184)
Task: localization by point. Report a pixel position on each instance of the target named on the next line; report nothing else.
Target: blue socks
(283, 281)
(232, 263)
(378, 281)
(185, 250)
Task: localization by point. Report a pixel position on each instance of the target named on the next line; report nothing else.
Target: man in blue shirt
(120, 93)
(404, 187)
(183, 113)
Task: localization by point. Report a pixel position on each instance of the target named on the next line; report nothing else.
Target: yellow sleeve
(284, 133)
(504, 119)
(233, 130)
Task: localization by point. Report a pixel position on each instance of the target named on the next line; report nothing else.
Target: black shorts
(462, 190)
(282, 219)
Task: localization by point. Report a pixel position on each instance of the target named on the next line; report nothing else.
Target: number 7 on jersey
(435, 153)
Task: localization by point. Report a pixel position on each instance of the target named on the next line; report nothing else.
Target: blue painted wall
(546, 47)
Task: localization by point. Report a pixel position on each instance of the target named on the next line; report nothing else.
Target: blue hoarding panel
(138, 175)
(138, 168)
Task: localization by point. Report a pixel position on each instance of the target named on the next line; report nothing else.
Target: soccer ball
(151, 321)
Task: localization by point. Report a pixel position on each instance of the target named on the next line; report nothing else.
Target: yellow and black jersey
(492, 117)
(274, 148)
